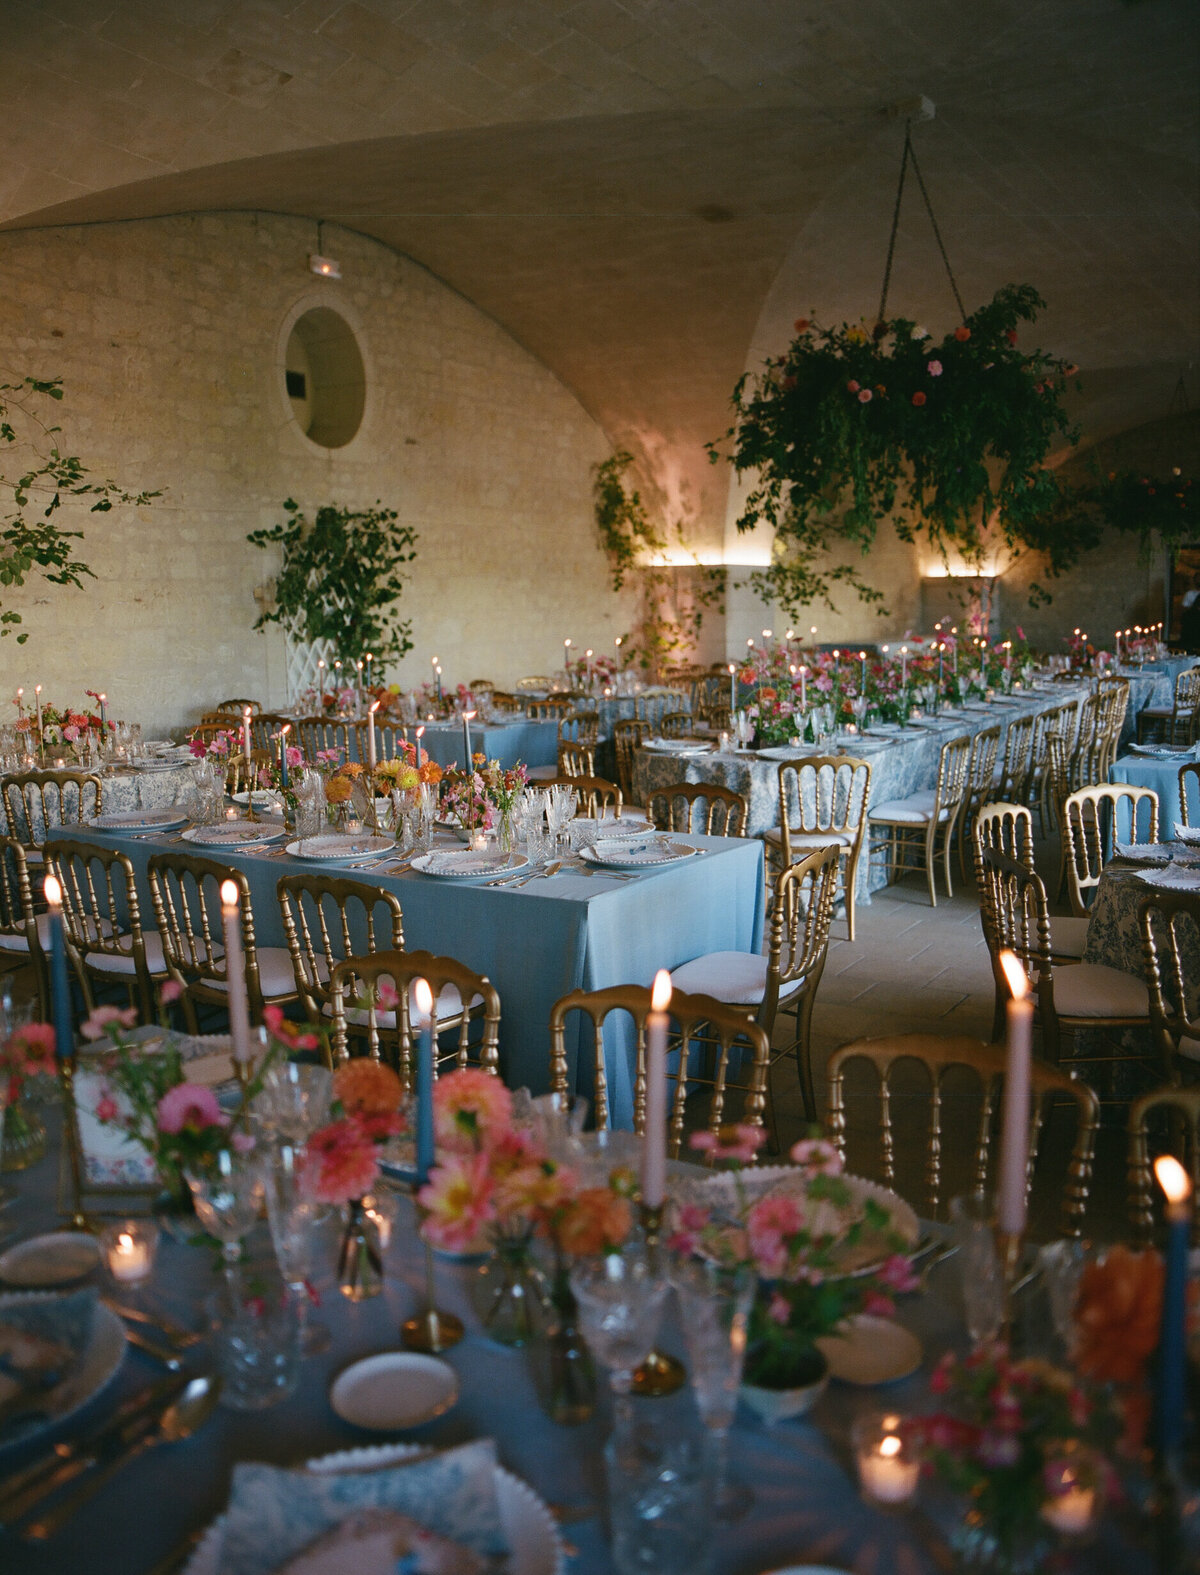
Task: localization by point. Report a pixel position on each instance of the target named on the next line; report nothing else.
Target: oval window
(324, 375)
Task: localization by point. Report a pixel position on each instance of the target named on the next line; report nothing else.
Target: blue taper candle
(422, 1005)
(1172, 1373)
(60, 990)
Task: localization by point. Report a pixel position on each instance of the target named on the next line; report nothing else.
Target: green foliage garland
(851, 426)
(30, 540)
(341, 577)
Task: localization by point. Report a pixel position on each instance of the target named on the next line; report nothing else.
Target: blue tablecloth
(564, 933)
(806, 1506)
(533, 742)
(1163, 777)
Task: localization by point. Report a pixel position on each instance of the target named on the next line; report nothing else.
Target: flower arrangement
(794, 1240)
(60, 725)
(219, 747)
(344, 1154)
(1018, 1435)
(853, 424)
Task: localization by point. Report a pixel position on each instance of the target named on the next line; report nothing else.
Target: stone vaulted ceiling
(646, 192)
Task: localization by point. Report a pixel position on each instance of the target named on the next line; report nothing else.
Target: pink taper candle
(1014, 1119)
(654, 1144)
(235, 973)
(246, 735)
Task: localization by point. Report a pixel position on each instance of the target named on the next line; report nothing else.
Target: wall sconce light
(324, 267)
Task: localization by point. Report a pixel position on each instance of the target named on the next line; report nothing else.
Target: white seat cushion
(1091, 990)
(11, 942)
(1190, 1048)
(916, 810)
(737, 978)
(1068, 937)
(103, 962)
(449, 1007)
(275, 973)
(812, 839)
(541, 773)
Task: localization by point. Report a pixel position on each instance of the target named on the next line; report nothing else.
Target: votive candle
(654, 1127)
(128, 1248)
(888, 1471)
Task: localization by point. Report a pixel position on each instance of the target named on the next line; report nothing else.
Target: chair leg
(931, 865)
(849, 882)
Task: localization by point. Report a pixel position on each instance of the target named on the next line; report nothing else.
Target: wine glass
(715, 1302)
(294, 1100)
(294, 1213)
(620, 1297)
(226, 1198)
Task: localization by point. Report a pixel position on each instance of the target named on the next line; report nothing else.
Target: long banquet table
(806, 1507)
(901, 763)
(566, 932)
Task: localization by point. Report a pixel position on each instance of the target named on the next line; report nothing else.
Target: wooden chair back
(1090, 825)
(629, 733)
(823, 794)
(327, 918)
(576, 760)
(1018, 754)
(579, 727)
(1007, 828)
(702, 807)
(653, 704)
(1181, 1107)
(676, 724)
(263, 730)
(944, 1055)
(36, 801)
(548, 710)
(462, 997)
(544, 685)
(951, 785)
(705, 1029)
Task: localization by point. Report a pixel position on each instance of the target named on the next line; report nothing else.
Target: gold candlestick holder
(249, 781)
(432, 1330)
(78, 1218)
(659, 1374)
(1010, 1246)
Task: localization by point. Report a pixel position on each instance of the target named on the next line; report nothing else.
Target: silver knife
(176, 1334)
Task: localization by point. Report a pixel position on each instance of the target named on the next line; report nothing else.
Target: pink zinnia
(865, 396)
(189, 1105)
(345, 1161)
(934, 368)
(470, 1108)
(819, 1157)
(458, 1198)
(97, 1023)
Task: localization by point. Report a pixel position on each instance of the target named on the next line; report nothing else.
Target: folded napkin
(1144, 852)
(273, 1514)
(1176, 877)
(1186, 833)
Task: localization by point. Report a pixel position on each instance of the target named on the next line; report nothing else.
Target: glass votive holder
(889, 1465)
(128, 1249)
(1074, 1479)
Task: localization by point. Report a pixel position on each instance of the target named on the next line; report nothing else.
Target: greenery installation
(31, 540)
(946, 439)
(671, 613)
(341, 578)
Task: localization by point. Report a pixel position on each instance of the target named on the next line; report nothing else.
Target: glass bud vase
(360, 1267)
(564, 1369)
(510, 1293)
(506, 832)
(24, 1140)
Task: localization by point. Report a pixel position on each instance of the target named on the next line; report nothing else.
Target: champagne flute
(715, 1302)
(294, 1213)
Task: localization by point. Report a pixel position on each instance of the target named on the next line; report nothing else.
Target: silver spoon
(179, 1421)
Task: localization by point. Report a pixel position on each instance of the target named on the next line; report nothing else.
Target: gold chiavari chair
(629, 733)
(1170, 926)
(981, 788)
(709, 1034)
(942, 1057)
(389, 740)
(578, 735)
(788, 975)
(1012, 780)
(1189, 778)
(1181, 1106)
(549, 710)
(327, 918)
(354, 990)
(1072, 997)
(536, 683)
(702, 807)
(238, 778)
(1172, 722)
(263, 730)
(1113, 695)
(102, 922)
(481, 687)
(1092, 819)
(314, 734)
(186, 893)
(1061, 722)
(823, 803)
(504, 700)
(675, 724)
(659, 701)
(24, 932)
(915, 824)
(574, 760)
(214, 722)
(239, 706)
(39, 801)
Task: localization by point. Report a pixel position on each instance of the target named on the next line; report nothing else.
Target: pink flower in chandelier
(865, 396)
(934, 368)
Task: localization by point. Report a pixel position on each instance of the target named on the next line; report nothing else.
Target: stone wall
(170, 336)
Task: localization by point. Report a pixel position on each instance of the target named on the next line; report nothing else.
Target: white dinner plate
(337, 848)
(466, 864)
(785, 752)
(235, 834)
(96, 1366)
(158, 763)
(867, 1350)
(529, 1528)
(678, 746)
(263, 798)
(636, 853)
(1176, 877)
(1161, 751)
(56, 1259)
(628, 828)
(1144, 852)
(139, 820)
(394, 1390)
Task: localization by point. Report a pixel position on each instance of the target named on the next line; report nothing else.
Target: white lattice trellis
(302, 662)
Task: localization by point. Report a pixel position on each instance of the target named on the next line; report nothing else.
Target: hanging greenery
(948, 440)
(672, 605)
(31, 541)
(341, 578)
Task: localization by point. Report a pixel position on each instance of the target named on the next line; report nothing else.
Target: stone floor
(917, 969)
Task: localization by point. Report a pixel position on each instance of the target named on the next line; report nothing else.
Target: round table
(1163, 776)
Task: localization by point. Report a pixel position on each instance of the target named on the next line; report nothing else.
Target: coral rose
(865, 396)
(1118, 1309)
(593, 1221)
(962, 333)
(918, 398)
(344, 1161)
(367, 1087)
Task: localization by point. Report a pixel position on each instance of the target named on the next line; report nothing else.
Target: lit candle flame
(229, 894)
(1018, 983)
(1172, 1178)
(53, 891)
(423, 997)
(660, 994)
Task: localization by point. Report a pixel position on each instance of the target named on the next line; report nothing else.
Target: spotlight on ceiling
(326, 267)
